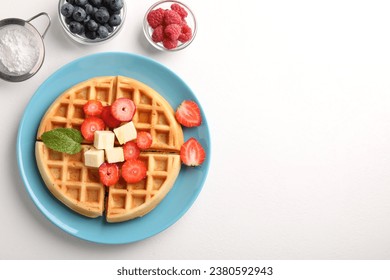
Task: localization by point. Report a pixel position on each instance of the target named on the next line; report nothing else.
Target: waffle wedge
(78, 186)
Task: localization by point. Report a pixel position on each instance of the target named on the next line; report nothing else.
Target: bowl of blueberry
(92, 22)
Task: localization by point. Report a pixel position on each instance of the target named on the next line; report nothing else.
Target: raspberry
(180, 10)
(169, 44)
(155, 17)
(158, 34)
(171, 17)
(186, 34)
(172, 31)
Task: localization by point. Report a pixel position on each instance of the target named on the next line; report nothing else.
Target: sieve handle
(48, 23)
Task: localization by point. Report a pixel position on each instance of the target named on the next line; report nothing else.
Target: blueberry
(92, 25)
(89, 9)
(81, 3)
(102, 32)
(102, 15)
(116, 5)
(79, 14)
(76, 27)
(70, 1)
(67, 10)
(69, 20)
(115, 20)
(91, 34)
(96, 3)
(109, 27)
(87, 18)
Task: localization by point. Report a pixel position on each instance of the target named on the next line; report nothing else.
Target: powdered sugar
(19, 51)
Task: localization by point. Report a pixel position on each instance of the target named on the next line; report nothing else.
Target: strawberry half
(144, 140)
(108, 173)
(188, 114)
(90, 125)
(108, 119)
(133, 171)
(123, 109)
(93, 108)
(192, 153)
(131, 150)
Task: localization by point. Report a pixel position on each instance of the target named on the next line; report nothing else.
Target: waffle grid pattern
(124, 198)
(72, 178)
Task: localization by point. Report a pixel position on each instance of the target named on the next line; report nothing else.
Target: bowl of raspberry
(92, 22)
(169, 25)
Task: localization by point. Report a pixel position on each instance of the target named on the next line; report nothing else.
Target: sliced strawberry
(90, 125)
(123, 109)
(108, 119)
(93, 108)
(192, 153)
(131, 150)
(144, 140)
(133, 171)
(188, 114)
(109, 173)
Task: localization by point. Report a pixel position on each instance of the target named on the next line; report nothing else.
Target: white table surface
(297, 97)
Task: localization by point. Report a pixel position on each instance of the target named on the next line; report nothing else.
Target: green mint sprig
(66, 140)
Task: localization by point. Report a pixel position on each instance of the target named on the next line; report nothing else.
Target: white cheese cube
(115, 155)
(93, 158)
(104, 139)
(125, 133)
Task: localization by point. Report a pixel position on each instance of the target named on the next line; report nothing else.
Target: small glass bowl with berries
(92, 22)
(169, 25)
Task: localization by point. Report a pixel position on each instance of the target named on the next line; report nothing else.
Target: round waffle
(77, 185)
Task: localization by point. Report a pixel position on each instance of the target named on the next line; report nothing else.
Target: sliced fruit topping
(108, 173)
(192, 153)
(188, 114)
(90, 125)
(93, 108)
(133, 171)
(123, 109)
(108, 118)
(144, 140)
(131, 150)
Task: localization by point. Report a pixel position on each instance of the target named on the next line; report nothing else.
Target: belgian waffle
(78, 186)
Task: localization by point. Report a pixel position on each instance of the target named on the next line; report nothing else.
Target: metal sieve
(37, 40)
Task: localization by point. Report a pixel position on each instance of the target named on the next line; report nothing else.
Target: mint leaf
(66, 140)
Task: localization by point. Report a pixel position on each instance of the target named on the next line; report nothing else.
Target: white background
(297, 97)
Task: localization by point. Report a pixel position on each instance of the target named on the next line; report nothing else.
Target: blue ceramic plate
(186, 188)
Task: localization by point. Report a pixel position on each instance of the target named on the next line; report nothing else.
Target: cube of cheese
(125, 133)
(104, 139)
(93, 157)
(115, 155)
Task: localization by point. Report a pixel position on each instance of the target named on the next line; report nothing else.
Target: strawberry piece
(93, 108)
(188, 114)
(90, 125)
(144, 140)
(123, 109)
(108, 173)
(108, 119)
(133, 171)
(192, 153)
(131, 150)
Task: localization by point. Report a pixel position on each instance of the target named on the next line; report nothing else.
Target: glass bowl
(81, 38)
(189, 20)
